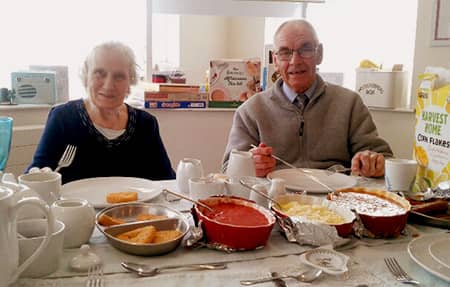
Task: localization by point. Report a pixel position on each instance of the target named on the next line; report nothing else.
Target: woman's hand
(263, 160)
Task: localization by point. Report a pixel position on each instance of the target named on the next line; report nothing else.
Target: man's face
(299, 72)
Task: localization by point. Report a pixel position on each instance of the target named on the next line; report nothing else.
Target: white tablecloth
(366, 265)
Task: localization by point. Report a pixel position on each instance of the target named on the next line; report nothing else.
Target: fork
(67, 157)
(398, 272)
(95, 276)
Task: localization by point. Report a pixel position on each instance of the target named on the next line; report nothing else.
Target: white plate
(297, 180)
(95, 189)
(418, 250)
(440, 251)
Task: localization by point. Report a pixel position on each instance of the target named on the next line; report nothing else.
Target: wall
(425, 55)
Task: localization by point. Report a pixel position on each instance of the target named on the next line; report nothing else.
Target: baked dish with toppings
(383, 213)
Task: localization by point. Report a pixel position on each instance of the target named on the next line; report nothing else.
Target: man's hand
(263, 160)
(368, 163)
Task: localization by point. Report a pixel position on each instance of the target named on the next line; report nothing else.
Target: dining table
(365, 266)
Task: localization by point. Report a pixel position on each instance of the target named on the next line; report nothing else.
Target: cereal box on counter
(432, 134)
(231, 82)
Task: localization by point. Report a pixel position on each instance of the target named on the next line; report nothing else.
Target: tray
(436, 220)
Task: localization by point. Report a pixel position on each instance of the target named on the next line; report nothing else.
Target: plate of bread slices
(102, 192)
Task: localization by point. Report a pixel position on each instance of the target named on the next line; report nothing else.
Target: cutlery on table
(307, 276)
(67, 157)
(95, 276)
(188, 198)
(278, 282)
(144, 270)
(302, 170)
(398, 272)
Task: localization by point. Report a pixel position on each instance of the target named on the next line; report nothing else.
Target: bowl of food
(234, 222)
(315, 210)
(142, 228)
(383, 213)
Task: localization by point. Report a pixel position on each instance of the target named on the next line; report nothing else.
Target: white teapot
(9, 244)
(188, 168)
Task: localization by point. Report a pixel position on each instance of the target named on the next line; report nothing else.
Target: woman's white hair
(123, 49)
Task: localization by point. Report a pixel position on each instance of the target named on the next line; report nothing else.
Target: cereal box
(432, 134)
(231, 82)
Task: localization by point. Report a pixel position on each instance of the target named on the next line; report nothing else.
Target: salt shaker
(277, 187)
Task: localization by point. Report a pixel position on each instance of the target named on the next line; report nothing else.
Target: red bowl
(379, 224)
(344, 230)
(235, 236)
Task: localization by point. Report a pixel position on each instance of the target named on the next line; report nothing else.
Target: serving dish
(129, 212)
(234, 234)
(344, 229)
(383, 213)
(297, 180)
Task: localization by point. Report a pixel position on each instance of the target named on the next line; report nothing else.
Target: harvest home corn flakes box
(432, 142)
(231, 82)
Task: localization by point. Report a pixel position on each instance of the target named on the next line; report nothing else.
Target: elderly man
(303, 119)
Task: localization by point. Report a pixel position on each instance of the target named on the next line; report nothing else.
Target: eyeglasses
(305, 52)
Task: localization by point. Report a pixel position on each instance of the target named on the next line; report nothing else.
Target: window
(352, 30)
(52, 32)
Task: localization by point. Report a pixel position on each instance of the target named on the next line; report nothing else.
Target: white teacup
(400, 174)
(48, 261)
(203, 187)
(240, 164)
(78, 215)
(46, 184)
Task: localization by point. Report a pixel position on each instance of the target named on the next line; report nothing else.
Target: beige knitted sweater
(336, 125)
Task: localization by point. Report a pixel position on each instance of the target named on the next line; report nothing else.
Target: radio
(34, 87)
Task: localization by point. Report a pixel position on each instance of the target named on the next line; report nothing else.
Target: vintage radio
(34, 87)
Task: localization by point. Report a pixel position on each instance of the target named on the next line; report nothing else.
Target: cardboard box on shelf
(385, 89)
(232, 82)
(175, 104)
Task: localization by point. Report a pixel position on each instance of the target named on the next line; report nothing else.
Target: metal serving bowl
(128, 212)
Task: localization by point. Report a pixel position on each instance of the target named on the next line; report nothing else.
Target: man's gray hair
(123, 49)
(296, 22)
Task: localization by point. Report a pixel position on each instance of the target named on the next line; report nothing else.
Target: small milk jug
(277, 187)
(240, 164)
(9, 244)
(188, 168)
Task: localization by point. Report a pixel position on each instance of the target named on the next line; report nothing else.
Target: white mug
(78, 215)
(400, 174)
(201, 187)
(240, 164)
(46, 184)
(33, 230)
(188, 168)
(9, 244)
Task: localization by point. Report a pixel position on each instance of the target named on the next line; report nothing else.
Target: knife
(278, 282)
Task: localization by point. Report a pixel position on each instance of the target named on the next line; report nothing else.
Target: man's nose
(295, 57)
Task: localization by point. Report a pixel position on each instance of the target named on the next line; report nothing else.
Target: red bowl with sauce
(383, 213)
(344, 229)
(235, 222)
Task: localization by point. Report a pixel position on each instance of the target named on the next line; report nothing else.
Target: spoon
(188, 198)
(306, 172)
(144, 270)
(307, 276)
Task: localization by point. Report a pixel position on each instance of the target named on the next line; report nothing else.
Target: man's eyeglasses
(305, 52)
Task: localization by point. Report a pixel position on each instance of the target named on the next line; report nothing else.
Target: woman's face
(108, 80)
(298, 73)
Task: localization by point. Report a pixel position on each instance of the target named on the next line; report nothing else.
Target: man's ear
(319, 54)
(275, 63)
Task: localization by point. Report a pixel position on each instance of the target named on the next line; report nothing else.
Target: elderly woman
(112, 138)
